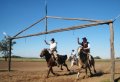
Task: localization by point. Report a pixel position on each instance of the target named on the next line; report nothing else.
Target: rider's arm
(79, 42)
(47, 42)
(88, 47)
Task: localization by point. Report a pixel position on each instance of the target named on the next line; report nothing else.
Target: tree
(117, 57)
(97, 57)
(4, 47)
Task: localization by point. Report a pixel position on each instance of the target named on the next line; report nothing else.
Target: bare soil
(36, 72)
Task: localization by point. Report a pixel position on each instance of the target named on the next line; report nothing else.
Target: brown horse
(51, 62)
(87, 62)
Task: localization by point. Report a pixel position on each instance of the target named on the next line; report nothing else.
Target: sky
(15, 15)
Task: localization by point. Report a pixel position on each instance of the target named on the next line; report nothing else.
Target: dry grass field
(35, 71)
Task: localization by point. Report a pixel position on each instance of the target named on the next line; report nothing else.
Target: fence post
(112, 52)
(9, 57)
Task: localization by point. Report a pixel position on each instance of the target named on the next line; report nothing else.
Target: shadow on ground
(6, 70)
(99, 73)
(117, 79)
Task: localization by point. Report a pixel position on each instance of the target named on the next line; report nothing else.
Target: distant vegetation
(13, 56)
(117, 57)
(97, 57)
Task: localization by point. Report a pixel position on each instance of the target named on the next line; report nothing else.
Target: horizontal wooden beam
(80, 19)
(29, 27)
(66, 29)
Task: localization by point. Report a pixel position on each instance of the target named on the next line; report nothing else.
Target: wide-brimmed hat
(52, 39)
(84, 38)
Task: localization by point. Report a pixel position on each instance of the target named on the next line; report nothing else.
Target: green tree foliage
(4, 47)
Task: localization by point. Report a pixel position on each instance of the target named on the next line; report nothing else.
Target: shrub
(97, 57)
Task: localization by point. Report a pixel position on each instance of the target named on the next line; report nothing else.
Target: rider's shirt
(53, 46)
(86, 47)
(73, 54)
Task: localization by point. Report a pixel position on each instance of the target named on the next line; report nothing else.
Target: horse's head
(44, 52)
(79, 50)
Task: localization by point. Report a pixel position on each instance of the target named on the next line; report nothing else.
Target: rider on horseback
(53, 49)
(73, 55)
(85, 48)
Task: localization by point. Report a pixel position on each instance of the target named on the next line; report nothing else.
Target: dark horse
(87, 62)
(51, 62)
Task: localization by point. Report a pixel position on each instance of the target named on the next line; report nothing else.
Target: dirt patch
(36, 72)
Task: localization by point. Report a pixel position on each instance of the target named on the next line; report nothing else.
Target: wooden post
(66, 29)
(46, 25)
(46, 16)
(9, 59)
(112, 52)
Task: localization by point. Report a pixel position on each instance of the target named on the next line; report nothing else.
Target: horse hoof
(46, 77)
(61, 69)
(76, 79)
(86, 76)
(95, 71)
(91, 74)
(57, 74)
(68, 70)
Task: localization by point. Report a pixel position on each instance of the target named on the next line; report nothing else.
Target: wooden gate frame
(93, 23)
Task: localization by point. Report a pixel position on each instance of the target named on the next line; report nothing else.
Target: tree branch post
(112, 52)
(9, 57)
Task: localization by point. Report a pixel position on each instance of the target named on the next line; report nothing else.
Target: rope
(116, 18)
(46, 18)
(45, 36)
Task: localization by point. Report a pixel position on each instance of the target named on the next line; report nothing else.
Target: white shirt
(73, 53)
(88, 45)
(53, 45)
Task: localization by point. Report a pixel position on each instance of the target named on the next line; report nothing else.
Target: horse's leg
(93, 65)
(49, 71)
(80, 67)
(86, 72)
(89, 69)
(61, 67)
(66, 66)
(78, 74)
(77, 62)
(94, 69)
(71, 64)
(52, 71)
